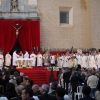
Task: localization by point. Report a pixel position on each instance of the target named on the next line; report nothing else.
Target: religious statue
(14, 4)
(17, 27)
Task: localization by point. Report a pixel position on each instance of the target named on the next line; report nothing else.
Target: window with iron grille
(64, 17)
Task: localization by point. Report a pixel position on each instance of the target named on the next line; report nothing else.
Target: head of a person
(44, 88)
(53, 85)
(1, 89)
(25, 79)
(86, 90)
(29, 82)
(60, 92)
(26, 93)
(93, 73)
(35, 88)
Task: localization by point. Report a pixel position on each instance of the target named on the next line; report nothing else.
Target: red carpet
(38, 75)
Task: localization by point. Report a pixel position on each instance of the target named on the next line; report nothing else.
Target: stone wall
(85, 31)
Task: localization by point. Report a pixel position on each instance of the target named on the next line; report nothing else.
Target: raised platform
(40, 75)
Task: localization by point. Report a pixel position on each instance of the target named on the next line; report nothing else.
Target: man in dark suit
(86, 91)
(53, 88)
(45, 96)
(74, 83)
(66, 77)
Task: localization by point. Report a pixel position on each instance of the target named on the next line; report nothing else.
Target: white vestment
(65, 61)
(26, 55)
(78, 57)
(1, 61)
(15, 56)
(33, 57)
(83, 61)
(45, 60)
(58, 61)
(98, 60)
(52, 59)
(92, 62)
(61, 61)
(7, 59)
(39, 60)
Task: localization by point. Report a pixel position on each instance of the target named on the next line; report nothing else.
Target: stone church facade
(82, 31)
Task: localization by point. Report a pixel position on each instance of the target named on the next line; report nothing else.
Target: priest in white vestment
(78, 57)
(46, 59)
(20, 62)
(26, 55)
(83, 61)
(33, 57)
(8, 59)
(92, 63)
(1, 60)
(39, 59)
(98, 59)
(15, 56)
(61, 59)
(52, 60)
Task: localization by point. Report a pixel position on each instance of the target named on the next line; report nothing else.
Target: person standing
(92, 81)
(21, 60)
(83, 61)
(92, 63)
(1, 60)
(52, 60)
(33, 57)
(98, 59)
(46, 59)
(15, 56)
(26, 55)
(7, 60)
(39, 59)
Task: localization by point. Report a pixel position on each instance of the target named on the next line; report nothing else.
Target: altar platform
(40, 75)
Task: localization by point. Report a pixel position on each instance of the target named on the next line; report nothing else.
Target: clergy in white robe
(78, 57)
(45, 59)
(1, 60)
(61, 59)
(8, 59)
(33, 57)
(87, 60)
(39, 59)
(83, 61)
(98, 59)
(58, 61)
(65, 61)
(52, 59)
(92, 63)
(15, 56)
(20, 62)
(26, 55)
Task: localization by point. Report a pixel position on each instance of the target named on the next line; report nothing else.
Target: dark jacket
(74, 81)
(37, 93)
(53, 93)
(87, 98)
(46, 97)
(66, 76)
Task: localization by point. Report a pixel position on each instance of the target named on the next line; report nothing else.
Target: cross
(17, 27)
